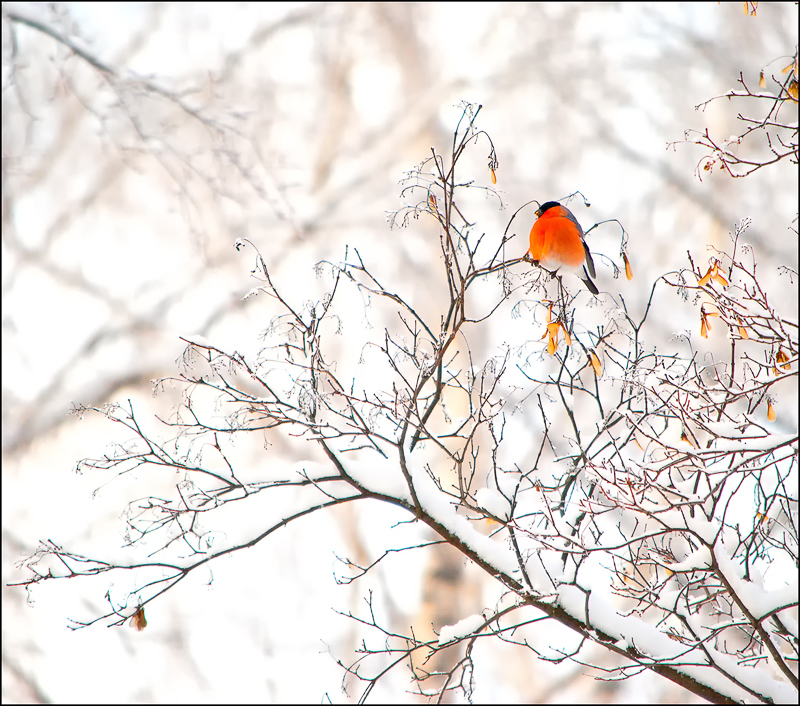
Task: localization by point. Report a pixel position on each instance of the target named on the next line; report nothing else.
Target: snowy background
(292, 125)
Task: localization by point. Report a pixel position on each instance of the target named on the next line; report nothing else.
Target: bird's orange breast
(555, 241)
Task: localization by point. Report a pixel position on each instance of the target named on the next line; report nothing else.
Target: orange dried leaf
(552, 337)
(494, 176)
(595, 363)
(743, 332)
(688, 439)
(771, 412)
(138, 620)
(713, 273)
(567, 338)
(549, 310)
(705, 279)
(628, 270)
(705, 325)
(761, 81)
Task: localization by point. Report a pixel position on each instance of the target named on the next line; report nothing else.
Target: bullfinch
(557, 244)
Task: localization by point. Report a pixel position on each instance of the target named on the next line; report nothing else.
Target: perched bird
(557, 244)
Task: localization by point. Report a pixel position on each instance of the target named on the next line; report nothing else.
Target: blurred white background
(126, 183)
